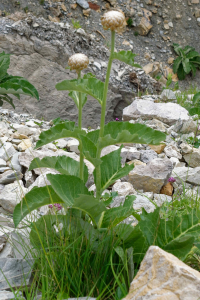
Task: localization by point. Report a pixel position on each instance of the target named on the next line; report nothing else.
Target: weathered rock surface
(5, 295)
(162, 276)
(193, 158)
(16, 271)
(168, 113)
(190, 175)
(152, 177)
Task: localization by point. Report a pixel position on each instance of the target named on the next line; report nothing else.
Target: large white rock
(5, 295)
(152, 177)
(172, 151)
(162, 276)
(168, 113)
(11, 195)
(143, 202)
(123, 188)
(185, 174)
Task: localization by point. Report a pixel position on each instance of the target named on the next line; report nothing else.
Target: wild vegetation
(85, 247)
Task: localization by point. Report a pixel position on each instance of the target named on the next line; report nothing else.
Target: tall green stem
(80, 127)
(103, 113)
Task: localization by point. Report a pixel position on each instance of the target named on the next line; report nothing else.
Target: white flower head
(78, 62)
(113, 20)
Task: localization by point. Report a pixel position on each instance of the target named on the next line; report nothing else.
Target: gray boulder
(168, 113)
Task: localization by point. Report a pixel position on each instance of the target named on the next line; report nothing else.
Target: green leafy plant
(129, 22)
(13, 85)
(68, 188)
(76, 24)
(188, 61)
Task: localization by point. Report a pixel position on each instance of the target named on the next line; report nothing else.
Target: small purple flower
(171, 179)
(116, 119)
(58, 206)
(50, 206)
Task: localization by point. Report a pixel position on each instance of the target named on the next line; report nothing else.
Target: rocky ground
(149, 180)
(42, 37)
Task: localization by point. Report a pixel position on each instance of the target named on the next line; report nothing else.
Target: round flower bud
(113, 20)
(78, 62)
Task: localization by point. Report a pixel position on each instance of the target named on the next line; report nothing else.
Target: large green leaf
(193, 69)
(111, 169)
(34, 199)
(194, 111)
(175, 236)
(89, 205)
(90, 86)
(63, 164)
(133, 237)
(196, 98)
(126, 57)
(89, 150)
(188, 49)
(63, 130)
(186, 65)
(181, 73)
(4, 64)
(176, 64)
(125, 132)
(16, 85)
(115, 215)
(192, 54)
(68, 187)
(177, 48)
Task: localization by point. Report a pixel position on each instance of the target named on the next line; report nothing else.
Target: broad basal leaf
(126, 57)
(4, 64)
(16, 85)
(68, 187)
(111, 169)
(176, 64)
(193, 54)
(175, 236)
(90, 86)
(181, 73)
(89, 205)
(196, 98)
(125, 132)
(63, 130)
(63, 164)
(34, 199)
(115, 215)
(177, 48)
(186, 65)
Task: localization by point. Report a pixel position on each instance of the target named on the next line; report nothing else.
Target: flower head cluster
(78, 62)
(116, 119)
(113, 20)
(57, 205)
(171, 179)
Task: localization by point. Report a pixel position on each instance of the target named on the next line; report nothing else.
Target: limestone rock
(189, 126)
(152, 177)
(159, 199)
(108, 150)
(164, 276)
(5, 295)
(11, 195)
(144, 25)
(186, 149)
(7, 151)
(10, 176)
(123, 188)
(186, 174)
(25, 144)
(143, 202)
(168, 95)
(168, 113)
(193, 159)
(172, 151)
(148, 155)
(17, 272)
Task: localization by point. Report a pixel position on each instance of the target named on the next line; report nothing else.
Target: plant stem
(80, 127)
(103, 113)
